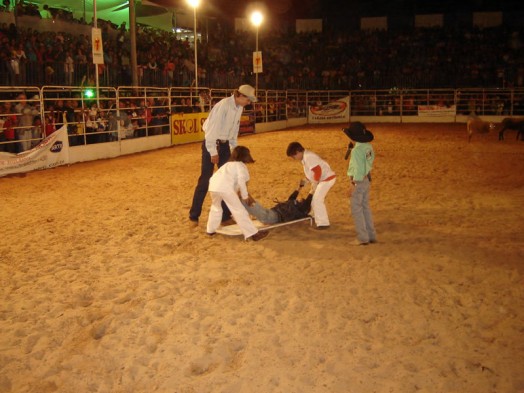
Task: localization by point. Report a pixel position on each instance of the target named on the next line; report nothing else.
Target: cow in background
(512, 124)
(477, 126)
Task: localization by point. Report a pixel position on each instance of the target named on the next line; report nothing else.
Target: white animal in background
(477, 126)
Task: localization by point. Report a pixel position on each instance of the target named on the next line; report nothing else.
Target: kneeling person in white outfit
(225, 185)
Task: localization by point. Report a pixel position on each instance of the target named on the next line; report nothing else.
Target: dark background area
(346, 14)
(339, 8)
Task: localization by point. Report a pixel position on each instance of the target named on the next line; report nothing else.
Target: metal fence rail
(396, 102)
(29, 114)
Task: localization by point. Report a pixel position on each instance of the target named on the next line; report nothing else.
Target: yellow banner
(187, 127)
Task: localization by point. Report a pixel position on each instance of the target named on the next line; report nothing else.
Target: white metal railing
(128, 112)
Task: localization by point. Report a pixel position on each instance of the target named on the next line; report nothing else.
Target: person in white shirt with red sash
(321, 177)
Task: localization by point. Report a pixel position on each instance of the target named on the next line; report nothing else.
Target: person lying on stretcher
(290, 210)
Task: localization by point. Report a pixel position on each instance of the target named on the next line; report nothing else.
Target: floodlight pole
(132, 32)
(195, 42)
(256, 50)
(194, 4)
(256, 19)
(96, 65)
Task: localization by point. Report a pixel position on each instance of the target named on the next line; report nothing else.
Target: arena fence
(115, 115)
(480, 102)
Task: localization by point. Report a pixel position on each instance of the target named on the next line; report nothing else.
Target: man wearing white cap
(221, 133)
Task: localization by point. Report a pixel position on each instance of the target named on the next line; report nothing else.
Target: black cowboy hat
(358, 132)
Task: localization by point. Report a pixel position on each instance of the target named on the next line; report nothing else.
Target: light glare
(193, 3)
(257, 18)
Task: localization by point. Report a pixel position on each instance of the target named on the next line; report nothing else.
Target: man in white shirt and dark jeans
(221, 132)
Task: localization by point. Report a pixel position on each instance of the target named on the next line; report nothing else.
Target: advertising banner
(436, 110)
(96, 44)
(187, 127)
(334, 112)
(247, 124)
(53, 151)
(257, 62)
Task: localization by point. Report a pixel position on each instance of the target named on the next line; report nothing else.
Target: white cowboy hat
(248, 91)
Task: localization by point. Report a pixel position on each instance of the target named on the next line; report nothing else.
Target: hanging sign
(257, 62)
(96, 44)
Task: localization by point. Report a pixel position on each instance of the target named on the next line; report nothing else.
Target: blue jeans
(208, 167)
(362, 213)
(265, 216)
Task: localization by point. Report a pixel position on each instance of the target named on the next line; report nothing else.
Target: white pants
(317, 204)
(238, 211)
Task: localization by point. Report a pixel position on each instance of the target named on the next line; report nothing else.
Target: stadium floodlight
(256, 19)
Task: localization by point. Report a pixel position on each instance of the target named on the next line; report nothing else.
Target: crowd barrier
(111, 122)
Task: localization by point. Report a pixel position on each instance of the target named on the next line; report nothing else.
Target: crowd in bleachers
(421, 58)
(22, 125)
(24, 8)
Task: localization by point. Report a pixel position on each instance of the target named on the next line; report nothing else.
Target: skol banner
(187, 127)
(53, 151)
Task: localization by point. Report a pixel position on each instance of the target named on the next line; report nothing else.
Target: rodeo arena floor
(105, 287)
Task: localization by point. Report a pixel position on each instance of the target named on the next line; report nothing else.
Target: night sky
(346, 13)
(293, 9)
(341, 8)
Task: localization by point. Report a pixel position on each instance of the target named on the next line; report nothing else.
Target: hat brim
(365, 137)
(249, 92)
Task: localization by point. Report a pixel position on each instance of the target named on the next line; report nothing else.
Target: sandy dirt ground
(106, 288)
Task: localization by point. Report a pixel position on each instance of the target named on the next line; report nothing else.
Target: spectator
(429, 57)
(7, 5)
(8, 122)
(27, 113)
(49, 124)
(37, 131)
(91, 123)
(69, 68)
(46, 12)
(18, 60)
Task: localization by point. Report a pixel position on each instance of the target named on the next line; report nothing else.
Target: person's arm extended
(243, 178)
(293, 196)
(305, 205)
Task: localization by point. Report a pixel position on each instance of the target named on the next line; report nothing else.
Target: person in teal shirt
(359, 173)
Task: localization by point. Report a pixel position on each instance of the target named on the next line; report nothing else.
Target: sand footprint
(236, 355)
(100, 329)
(202, 366)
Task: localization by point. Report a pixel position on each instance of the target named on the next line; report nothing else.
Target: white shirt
(311, 160)
(232, 176)
(223, 123)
